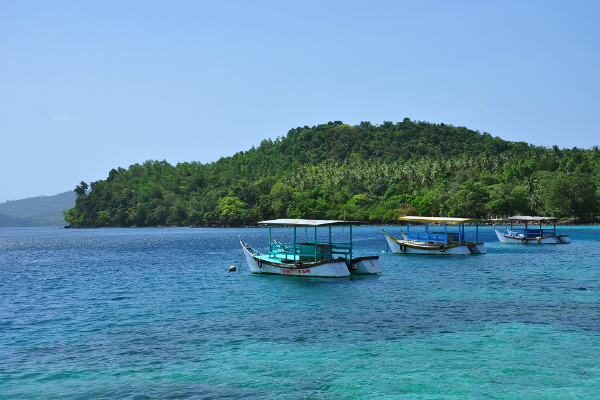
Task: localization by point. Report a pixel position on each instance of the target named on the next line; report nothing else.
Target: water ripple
(154, 313)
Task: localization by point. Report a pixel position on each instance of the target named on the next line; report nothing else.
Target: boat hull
(402, 246)
(366, 266)
(333, 268)
(564, 239)
(516, 239)
(477, 248)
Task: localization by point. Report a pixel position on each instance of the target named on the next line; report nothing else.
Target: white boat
(324, 258)
(529, 235)
(434, 240)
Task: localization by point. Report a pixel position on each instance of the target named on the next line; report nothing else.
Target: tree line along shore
(369, 173)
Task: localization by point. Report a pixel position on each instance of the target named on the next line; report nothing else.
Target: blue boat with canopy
(532, 232)
(442, 235)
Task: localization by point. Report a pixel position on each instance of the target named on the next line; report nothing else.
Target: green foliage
(468, 201)
(572, 194)
(281, 195)
(81, 189)
(365, 172)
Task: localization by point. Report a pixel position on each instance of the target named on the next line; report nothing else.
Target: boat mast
(315, 243)
(350, 243)
(270, 240)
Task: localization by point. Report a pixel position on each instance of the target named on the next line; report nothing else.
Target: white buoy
(383, 251)
(232, 268)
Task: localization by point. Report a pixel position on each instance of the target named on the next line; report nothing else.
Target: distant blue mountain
(36, 211)
(9, 221)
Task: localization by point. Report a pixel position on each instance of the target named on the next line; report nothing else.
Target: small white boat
(529, 235)
(434, 241)
(323, 258)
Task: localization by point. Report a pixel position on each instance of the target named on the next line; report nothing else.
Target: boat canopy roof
(306, 222)
(440, 219)
(537, 219)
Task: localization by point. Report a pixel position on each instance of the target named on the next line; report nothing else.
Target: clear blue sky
(87, 86)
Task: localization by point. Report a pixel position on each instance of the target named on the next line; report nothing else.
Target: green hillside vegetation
(37, 211)
(365, 172)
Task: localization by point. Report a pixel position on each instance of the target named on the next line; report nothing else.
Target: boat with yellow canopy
(437, 238)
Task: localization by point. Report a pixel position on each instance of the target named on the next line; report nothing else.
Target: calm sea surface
(155, 314)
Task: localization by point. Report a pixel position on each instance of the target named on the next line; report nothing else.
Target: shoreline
(486, 223)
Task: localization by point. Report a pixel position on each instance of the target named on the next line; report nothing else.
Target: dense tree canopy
(364, 172)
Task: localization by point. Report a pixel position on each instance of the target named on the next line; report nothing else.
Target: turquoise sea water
(154, 313)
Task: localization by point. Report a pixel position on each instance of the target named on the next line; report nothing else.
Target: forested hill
(36, 211)
(367, 172)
